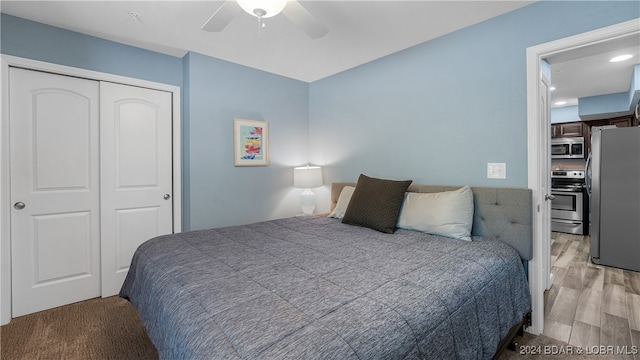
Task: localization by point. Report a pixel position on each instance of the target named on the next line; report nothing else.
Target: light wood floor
(589, 304)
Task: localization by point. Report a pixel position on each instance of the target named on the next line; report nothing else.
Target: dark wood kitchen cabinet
(583, 128)
(621, 121)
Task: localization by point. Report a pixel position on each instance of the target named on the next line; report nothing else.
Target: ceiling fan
(265, 9)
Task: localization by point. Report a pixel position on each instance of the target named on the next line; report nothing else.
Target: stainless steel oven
(568, 206)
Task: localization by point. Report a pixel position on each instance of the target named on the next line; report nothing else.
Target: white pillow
(343, 202)
(448, 213)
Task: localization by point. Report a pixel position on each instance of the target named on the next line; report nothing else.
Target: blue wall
(215, 193)
(603, 106)
(437, 113)
(32, 40)
(564, 114)
(220, 193)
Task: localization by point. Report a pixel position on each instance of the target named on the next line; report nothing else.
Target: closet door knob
(19, 205)
(167, 196)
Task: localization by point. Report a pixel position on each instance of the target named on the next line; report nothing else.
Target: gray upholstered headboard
(501, 213)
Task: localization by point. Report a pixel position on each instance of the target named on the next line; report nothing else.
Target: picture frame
(250, 142)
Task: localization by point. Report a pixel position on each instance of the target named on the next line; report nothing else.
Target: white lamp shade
(307, 177)
(270, 7)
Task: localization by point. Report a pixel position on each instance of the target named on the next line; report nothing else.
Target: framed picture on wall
(251, 142)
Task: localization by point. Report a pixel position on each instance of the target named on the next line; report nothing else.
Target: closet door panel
(54, 155)
(136, 175)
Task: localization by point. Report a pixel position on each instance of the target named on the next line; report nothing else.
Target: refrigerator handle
(587, 174)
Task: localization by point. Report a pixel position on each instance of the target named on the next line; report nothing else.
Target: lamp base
(307, 201)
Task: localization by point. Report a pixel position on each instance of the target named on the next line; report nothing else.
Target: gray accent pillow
(376, 203)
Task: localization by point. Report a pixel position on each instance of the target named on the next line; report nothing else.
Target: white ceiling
(359, 31)
(586, 71)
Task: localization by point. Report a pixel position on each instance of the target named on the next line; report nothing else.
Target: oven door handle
(563, 221)
(565, 190)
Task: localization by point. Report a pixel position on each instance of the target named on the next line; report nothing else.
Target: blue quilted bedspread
(314, 288)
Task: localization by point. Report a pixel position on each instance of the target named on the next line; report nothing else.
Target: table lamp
(307, 177)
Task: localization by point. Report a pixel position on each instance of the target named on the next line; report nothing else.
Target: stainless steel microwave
(567, 148)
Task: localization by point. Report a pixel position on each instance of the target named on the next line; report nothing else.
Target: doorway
(538, 154)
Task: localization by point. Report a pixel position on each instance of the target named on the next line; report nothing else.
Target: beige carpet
(110, 329)
(94, 329)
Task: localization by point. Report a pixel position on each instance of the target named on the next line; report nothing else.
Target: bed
(315, 287)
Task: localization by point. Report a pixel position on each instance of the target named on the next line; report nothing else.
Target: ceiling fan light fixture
(621, 58)
(262, 8)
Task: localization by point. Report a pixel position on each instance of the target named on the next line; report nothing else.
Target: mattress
(312, 287)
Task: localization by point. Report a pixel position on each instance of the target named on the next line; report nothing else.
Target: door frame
(537, 155)
(8, 61)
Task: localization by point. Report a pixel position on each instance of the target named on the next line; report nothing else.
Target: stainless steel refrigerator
(613, 175)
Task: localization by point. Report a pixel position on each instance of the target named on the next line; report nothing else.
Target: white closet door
(136, 175)
(54, 190)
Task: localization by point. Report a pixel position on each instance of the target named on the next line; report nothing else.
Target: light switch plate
(496, 170)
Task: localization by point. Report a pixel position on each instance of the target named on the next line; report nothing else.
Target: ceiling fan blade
(222, 16)
(298, 15)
